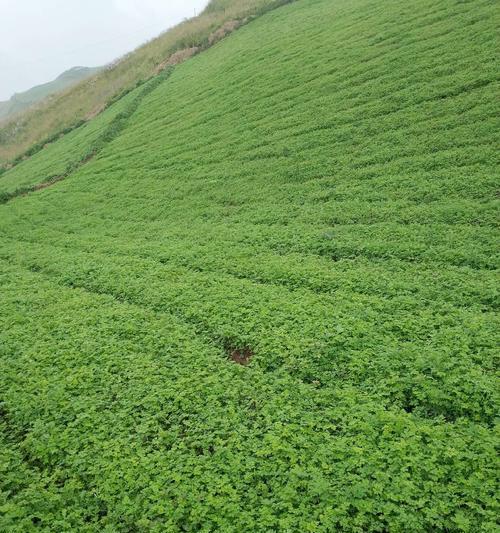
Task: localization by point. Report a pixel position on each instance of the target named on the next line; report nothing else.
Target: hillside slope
(21, 101)
(86, 99)
(313, 198)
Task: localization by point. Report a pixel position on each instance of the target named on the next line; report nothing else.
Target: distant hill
(21, 101)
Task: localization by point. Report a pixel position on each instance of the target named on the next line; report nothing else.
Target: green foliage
(75, 150)
(326, 201)
(39, 146)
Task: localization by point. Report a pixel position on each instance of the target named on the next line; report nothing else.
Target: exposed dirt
(227, 28)
(177, 57)
(46, 184)
(240, 356)
(182, 55)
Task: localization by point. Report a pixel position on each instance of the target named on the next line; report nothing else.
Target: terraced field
(314, 198)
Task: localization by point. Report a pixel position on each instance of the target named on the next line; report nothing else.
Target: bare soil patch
(241, 356)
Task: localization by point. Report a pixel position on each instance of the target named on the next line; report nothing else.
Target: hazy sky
(40, 39)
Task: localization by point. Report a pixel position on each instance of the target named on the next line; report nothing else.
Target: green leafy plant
(268, 301)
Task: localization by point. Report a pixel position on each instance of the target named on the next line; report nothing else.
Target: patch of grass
(324, 201)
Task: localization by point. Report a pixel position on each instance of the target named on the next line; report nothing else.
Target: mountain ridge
(23, 100)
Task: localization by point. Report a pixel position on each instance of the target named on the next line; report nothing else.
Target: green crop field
(264, 296)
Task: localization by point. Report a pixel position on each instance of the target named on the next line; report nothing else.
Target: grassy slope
(59, 156)
(60, 159)
(325, 197)
(88, 98)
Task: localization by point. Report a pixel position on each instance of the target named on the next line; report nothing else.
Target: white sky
(40, 39)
